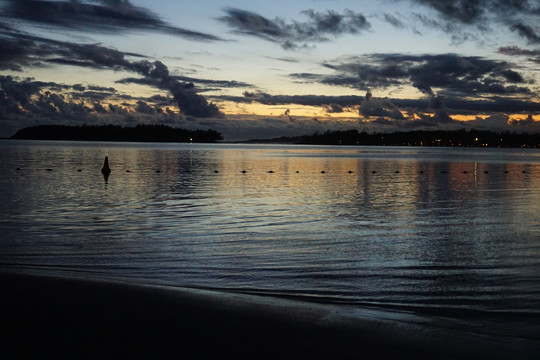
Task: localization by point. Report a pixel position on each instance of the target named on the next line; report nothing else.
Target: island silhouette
(164, 133)
(451, 138)
(139, 133)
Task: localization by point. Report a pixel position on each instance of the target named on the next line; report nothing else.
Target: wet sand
(51, 317)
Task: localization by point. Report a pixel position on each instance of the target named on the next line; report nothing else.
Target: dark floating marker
(506, 171)
(106, 170)
(48, 169)
(18, 168)
(158, 171)
(397, 171)
(323, 172)
(443, 172)
(523, 172)
(373, 172)
(128, 171)
(465, 171)
(270, 171)
(350, 171)
(216, 171)
(79, 170)
(485, 171)
(298, 172)
(244, 171)
(421, 172)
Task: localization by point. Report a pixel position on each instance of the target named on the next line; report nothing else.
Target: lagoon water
(451, 233)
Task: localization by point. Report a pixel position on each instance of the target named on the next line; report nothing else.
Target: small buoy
(48, 169)
(158, 171)
(373, 172)
(270, 172)
(106, 170)
(443, 172)
(216, 171)
(524, 172)
(421, 172)
(18, 168)
(350, 171)
(128, 171)
(465, 171)
(397, 171)
(298, 172)
(79, 170)
(506, 171)
(485, 171)
(323, 172)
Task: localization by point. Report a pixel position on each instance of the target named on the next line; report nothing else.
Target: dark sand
(46, 317)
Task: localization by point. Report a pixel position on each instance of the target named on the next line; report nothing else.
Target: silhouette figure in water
(106, 170)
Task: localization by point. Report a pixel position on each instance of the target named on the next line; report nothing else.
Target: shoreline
(45, 316)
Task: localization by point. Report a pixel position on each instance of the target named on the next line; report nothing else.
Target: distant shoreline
(139, 133)
(164, 133)
(435, 138)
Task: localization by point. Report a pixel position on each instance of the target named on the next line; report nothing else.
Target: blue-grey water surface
(447, 231)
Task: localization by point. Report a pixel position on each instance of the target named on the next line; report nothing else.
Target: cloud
(143, 107)
(108, 16)
(520, 16)
(450, 74)
(525, 122)
(308, 100)
(379, 107)
(394, 21)
(26, 102)
(40, 50)
(534, 55)
(527, 32)
(318, 27)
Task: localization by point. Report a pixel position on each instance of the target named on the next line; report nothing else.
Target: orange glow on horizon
(521, 117)
(466, 118)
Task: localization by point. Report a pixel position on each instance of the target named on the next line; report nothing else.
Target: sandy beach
(46, 317)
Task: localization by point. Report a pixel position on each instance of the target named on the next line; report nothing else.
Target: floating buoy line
(106, 171)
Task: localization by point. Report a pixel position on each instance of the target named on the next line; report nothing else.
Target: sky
(264, 69)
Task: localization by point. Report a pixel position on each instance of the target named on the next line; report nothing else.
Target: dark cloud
(334, 108)
(41, 50)
(209, 84)
(110, 16)
(26, 102)
(527, 32)
(394, 21)
(463, 105)
(20, 91)
(308, 100)
(379, 107)
(466, 11)
(520, 16)
(99, 108)
(533, 55)
(525, 122)
(190, 103)
(143, 107)
(318, 27)
(451, 74)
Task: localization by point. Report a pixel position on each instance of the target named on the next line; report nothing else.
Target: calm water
(452, 232)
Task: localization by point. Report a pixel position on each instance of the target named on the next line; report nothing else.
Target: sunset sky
(261, 69)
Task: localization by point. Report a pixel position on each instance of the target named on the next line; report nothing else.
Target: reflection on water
(414, 228)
